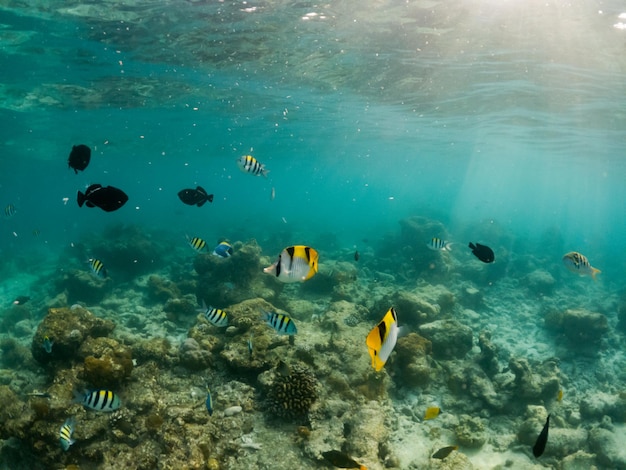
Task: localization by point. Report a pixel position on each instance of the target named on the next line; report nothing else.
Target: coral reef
(291, 393)
(450, 339)
(579, 326)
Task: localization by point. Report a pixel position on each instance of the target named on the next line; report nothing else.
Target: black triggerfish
(542, 440)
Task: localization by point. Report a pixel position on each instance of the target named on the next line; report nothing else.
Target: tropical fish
(382, 339)
(209, 402)
(559, 396)
(341, 460)
(579, 264)
(356, 255)
(281, 323)
(196, 243)
(47, 344)
(36, 232)
(21, 300)
(438, 244)
(107, 198)
(9, 210)
(444, 452)
(79, 157)
(99, 400)
(295, 264)
(215, 316)
(65, 435)
(431, 412)
(542, 440)
(250, 346)
(249, 164)
(97, 267)
(482, 252)
(223, 249)
(273, 194)
(195, 197)
(39, 394)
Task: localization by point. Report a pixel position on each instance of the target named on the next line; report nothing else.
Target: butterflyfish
(382, 339)
(295, 264)
(579, 264)
(432, 412)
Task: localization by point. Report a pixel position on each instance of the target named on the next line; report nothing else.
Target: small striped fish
(215, 316)
(281, 323)
(65, 435)
(9, 210)
(97, 267)
(251, 165)
(100, 400)
(196, 243)
(438, 244)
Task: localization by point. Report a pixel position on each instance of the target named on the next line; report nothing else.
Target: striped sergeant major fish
(99, 400)
(579, 264)
(97, 267)
(249, 164)
(215, 316)
(295, 264)
(281, 323)
(382, 339)
(438, 244)
(65, 434)
(9, 211)
(198, 244)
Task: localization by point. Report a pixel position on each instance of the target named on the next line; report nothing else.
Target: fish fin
(594, 272)
(471, 245)
(264, 172)
(201, 203)
(80, 198)
(210, 197)
(201, 189)
(448, 246)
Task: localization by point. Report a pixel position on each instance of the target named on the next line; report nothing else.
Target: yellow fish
(432, 412)
(559, 395)
(295, 264)
(579, 264)
(382, 339)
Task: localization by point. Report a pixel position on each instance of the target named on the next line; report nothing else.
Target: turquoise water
(505, 121)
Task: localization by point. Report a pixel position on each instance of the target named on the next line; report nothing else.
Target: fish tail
(80, 198)
(363, 467)
(594, 272)
(264, 172)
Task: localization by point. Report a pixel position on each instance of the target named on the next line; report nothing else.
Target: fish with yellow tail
(579, 264)
(382, 339)
(341, 460)
(431, 412)
(295, 264)
(249, 164)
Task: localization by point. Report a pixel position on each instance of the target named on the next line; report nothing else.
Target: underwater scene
(246, 234)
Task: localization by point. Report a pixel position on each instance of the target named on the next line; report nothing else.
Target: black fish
(21, 300)
(542, 440)
(107, 198)
(356, 256)
(444, 452)
(482, 252)
(341, 460)
(79, 157)
(197, 197)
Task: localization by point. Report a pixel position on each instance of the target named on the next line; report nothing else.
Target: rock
(470, 432)
(67, 328)
(488, 359)
(598, 404)
(579, 326)
(411, 359)
(83, 286)
(232, 410)
(543, 382)
(540, 282)
(192, 356)
(579, 461)
(450, 339)
(608, 447)
(472, 297)
(107, 363)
